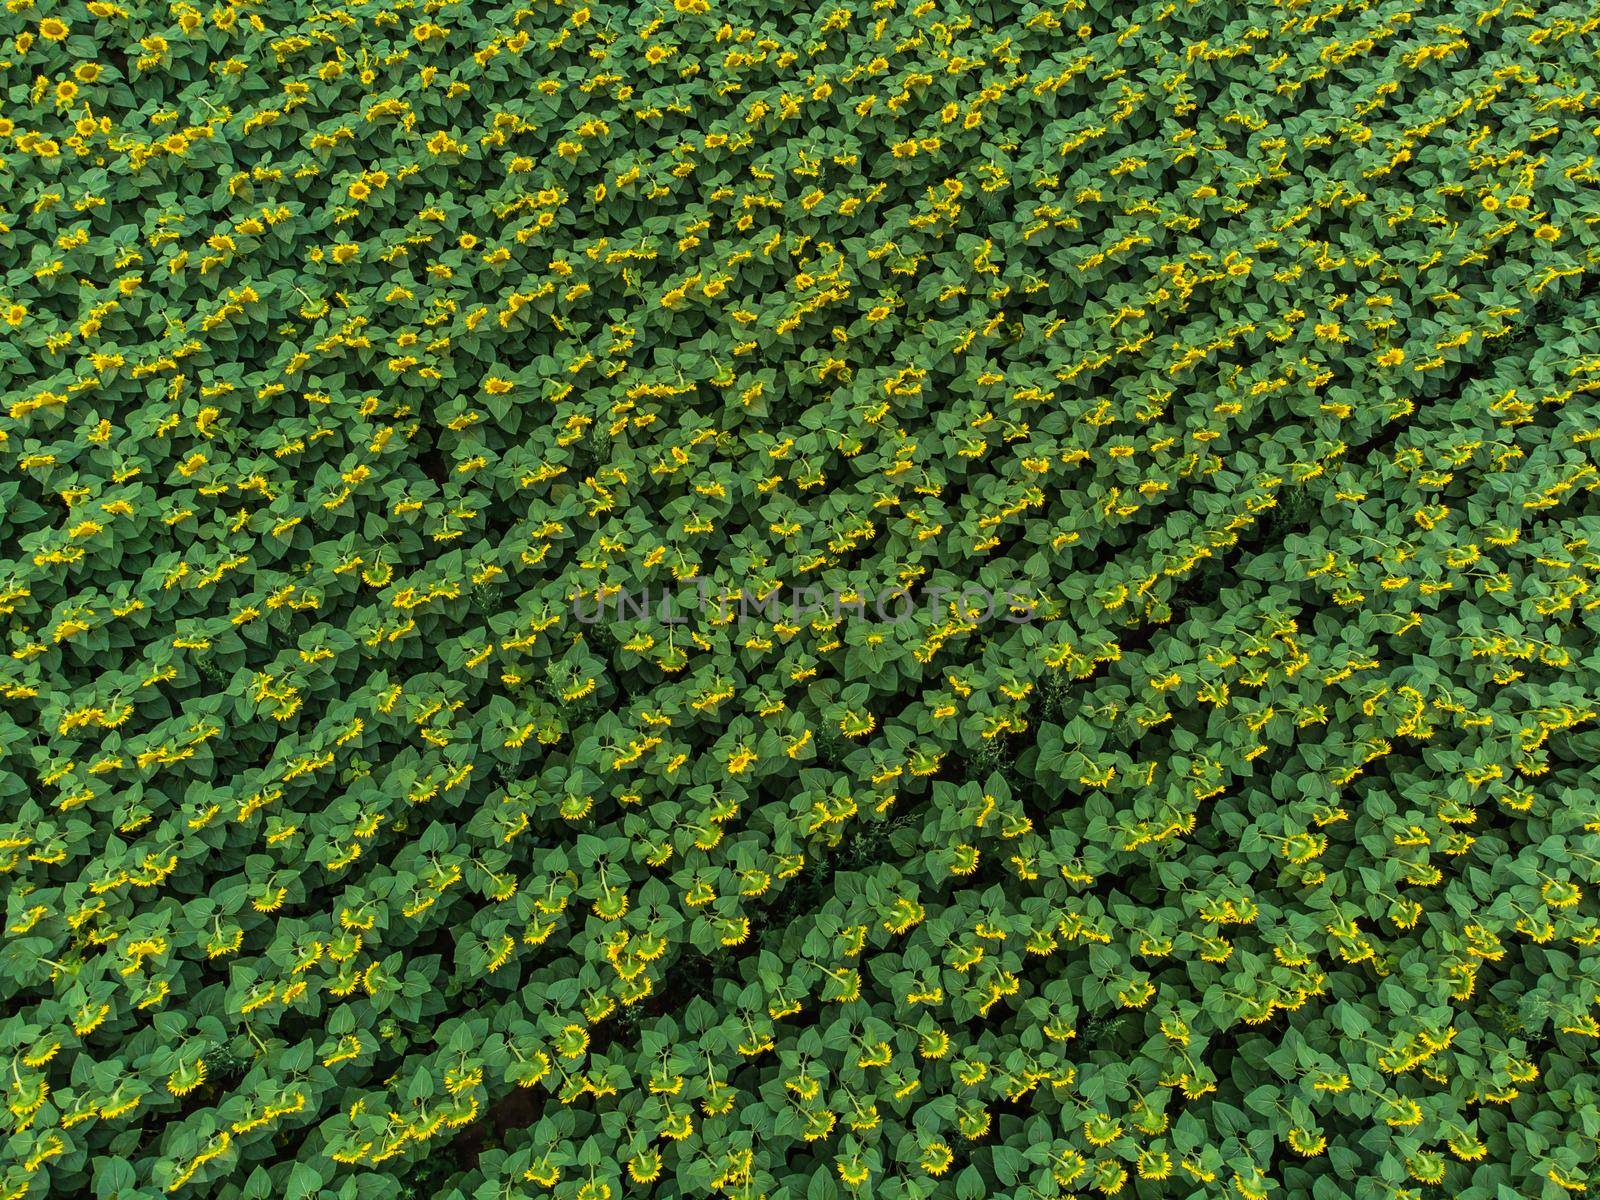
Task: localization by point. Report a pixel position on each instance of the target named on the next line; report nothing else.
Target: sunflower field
(358, 355)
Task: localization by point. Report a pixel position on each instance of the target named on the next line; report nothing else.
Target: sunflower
(645, 1167)
(936, 1158)
(187, 1077)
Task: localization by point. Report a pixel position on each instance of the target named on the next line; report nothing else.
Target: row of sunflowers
(1185, 786)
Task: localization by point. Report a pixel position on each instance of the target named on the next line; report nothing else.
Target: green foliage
(353, 353)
